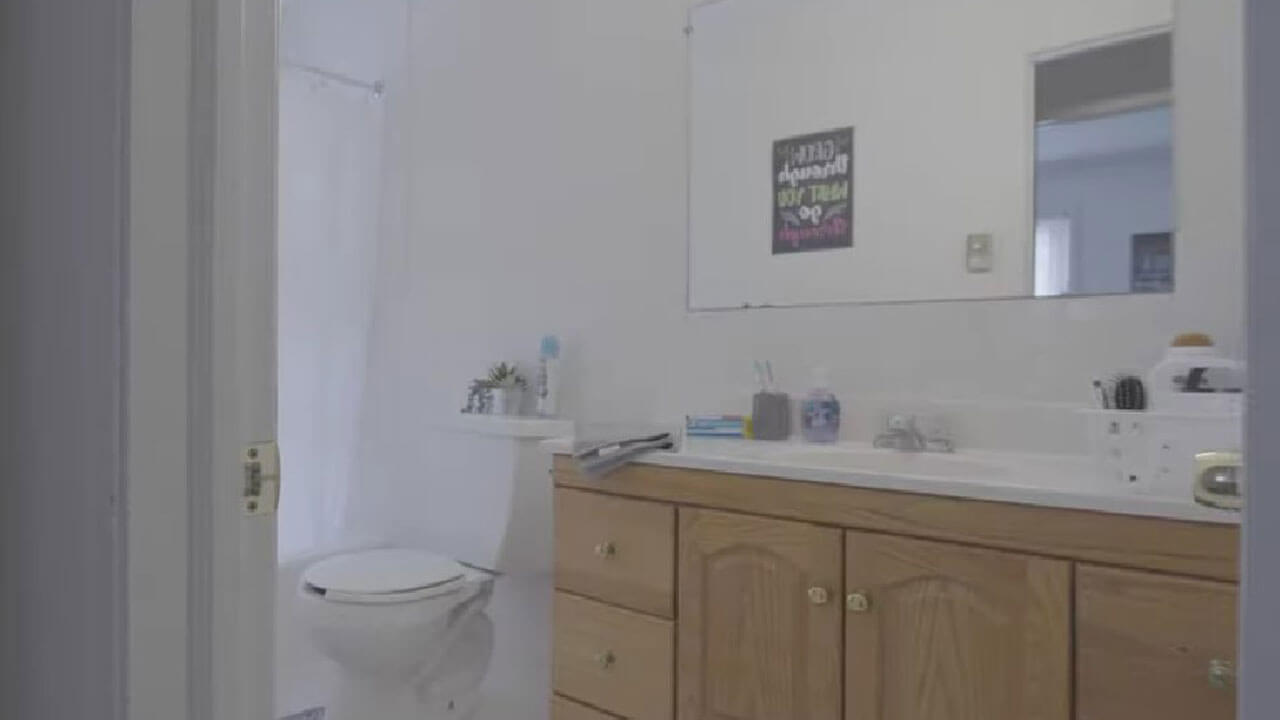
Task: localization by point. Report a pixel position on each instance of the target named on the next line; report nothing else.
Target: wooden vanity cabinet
(704, 596)
(760, 618)
(945, 632)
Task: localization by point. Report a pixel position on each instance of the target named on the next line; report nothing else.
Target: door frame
(233, 577)
(1260, 573)
(201, 358)
(158, 435)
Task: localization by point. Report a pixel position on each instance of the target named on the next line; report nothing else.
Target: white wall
(64, 69)
(549, 196)
(360, 38)
(1109, 199)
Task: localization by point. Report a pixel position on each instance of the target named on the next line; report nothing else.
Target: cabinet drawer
(565, 709)
(617, 550)
(617, 660)
(1153, 646)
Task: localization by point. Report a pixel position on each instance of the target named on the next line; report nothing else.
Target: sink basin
(892, 462)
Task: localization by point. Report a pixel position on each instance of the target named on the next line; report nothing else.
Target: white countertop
(1045, 480)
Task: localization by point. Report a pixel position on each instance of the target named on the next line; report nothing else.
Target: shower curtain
(330, 207)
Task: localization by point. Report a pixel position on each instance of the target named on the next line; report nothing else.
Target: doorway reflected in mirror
(1104, 170)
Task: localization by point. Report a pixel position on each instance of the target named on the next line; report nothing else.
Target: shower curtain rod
(377, 87)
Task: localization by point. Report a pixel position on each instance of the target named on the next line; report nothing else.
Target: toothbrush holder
(771, 416)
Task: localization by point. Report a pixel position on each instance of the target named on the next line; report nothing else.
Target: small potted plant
(507, 386)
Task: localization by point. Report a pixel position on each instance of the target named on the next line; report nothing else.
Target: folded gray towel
(596, 458)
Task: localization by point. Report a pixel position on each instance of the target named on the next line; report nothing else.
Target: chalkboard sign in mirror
(813, 192)
(848, 150)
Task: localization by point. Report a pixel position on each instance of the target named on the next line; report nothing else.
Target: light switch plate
(979, 253)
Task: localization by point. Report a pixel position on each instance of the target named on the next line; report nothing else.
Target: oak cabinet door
(759, 619)
(1154, 646)
(944, 632)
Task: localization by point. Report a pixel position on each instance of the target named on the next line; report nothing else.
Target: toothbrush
(768, 366)
(760, 376)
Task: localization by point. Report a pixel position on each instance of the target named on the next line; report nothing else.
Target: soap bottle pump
(820, 411)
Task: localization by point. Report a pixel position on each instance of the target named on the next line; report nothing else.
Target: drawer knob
(606, 660)
(1222, 674)
(606, 550)
(818, 596)
(858, 602)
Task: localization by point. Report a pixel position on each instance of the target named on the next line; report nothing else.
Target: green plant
(503, 375)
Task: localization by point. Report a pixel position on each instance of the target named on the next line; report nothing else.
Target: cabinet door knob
(1222, 674)
(606, 659)
(818, 596)
(606, 550)
(858, 602)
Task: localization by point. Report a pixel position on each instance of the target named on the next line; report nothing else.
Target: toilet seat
(392, 575)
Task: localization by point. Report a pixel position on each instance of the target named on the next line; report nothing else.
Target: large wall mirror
(870, 151)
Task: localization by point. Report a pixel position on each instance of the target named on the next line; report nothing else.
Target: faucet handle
(927, 433)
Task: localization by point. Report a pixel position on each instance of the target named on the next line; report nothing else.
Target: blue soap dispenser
(820, 411)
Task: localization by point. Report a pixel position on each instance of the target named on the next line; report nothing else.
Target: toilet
(404, 619)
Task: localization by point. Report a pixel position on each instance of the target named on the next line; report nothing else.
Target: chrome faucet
(902, 433)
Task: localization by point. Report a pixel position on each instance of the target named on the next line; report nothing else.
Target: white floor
(515, 687)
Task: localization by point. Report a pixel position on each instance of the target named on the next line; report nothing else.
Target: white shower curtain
(330, 208)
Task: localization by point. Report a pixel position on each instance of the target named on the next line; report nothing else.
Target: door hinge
(261, 478)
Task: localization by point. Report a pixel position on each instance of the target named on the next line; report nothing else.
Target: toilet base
(357, 701)
(353, 700)
(450, 691)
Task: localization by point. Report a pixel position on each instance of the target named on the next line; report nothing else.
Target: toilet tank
(474, 487)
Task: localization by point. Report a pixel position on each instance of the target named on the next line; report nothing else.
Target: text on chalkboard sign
(813, 192)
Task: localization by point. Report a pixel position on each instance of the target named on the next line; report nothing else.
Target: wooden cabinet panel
(615, 659)
(759, 618)
(954, 633)
(565, 709)
(616, 550)
(1146, 646)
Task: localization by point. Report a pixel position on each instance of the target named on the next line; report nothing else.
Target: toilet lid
(388, 575)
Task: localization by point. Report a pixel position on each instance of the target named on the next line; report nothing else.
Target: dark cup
(771, 416)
